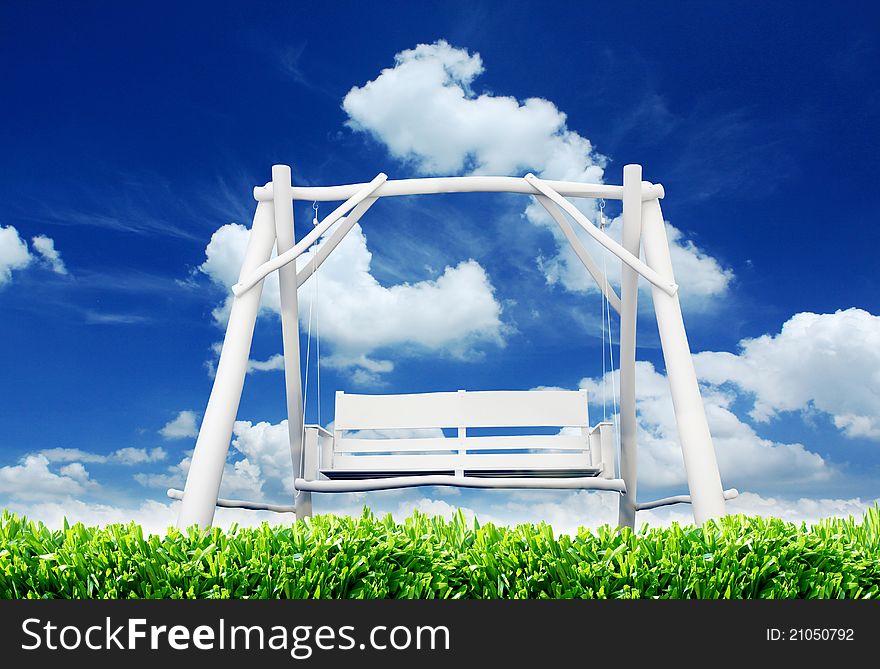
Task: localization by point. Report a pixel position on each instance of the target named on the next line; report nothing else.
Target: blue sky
(132, 136)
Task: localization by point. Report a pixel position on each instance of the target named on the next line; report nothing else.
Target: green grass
(367, 557)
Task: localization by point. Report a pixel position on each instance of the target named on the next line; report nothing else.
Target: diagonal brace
(668, 287)
(581, 251)
(282, 259)
(321, 253)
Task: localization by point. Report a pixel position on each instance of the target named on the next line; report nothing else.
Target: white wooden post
(212, 445)
(282, 201)
(629, 296)
(701, 465)
(309, 471)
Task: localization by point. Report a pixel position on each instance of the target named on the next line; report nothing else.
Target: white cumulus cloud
(241, 479)
(183, 426)
(153, 516)
(137, 456)
(45, 246)
(744, 457)
(121, 456)
(424, 110)
(452, 314)
(701, 276)
(14, 254)
(272, 363)
(32, 480)
(564, 511)
(259, 465)
(567, 511)
(817, 362)
(266, 446)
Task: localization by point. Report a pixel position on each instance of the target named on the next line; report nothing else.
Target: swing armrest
(322, 431)
(602, 448)
(318, 451)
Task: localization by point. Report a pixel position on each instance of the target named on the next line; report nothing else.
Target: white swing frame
(643, 230)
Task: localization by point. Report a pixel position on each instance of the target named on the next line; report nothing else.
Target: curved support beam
(282, 259)
(475, 184)
(668, 287)
(731, 493)
(580, 251)
(395, 482)
(239, 503)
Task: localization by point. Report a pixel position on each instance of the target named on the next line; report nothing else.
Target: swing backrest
(404, 432)
(483, 409)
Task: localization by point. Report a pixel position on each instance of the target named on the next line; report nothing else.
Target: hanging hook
(315, 221)
(603, 221)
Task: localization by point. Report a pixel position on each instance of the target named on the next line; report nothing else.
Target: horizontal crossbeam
(475, 184)
(732, 493)
(239, 503)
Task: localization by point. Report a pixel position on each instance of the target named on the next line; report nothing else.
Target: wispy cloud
(135, 282)
(290, 59)
(105, 318)
(132, 221)
(149, 205)
(290, 63)
(714, 147)
(121, 456)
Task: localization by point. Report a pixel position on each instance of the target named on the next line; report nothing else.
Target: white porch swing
(583, 458)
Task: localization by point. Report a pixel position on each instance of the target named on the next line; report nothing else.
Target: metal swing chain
(305, 397)
(606, 319)
(602, 304)
(315, 271)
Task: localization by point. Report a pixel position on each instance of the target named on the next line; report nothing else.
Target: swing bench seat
(384, 442)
